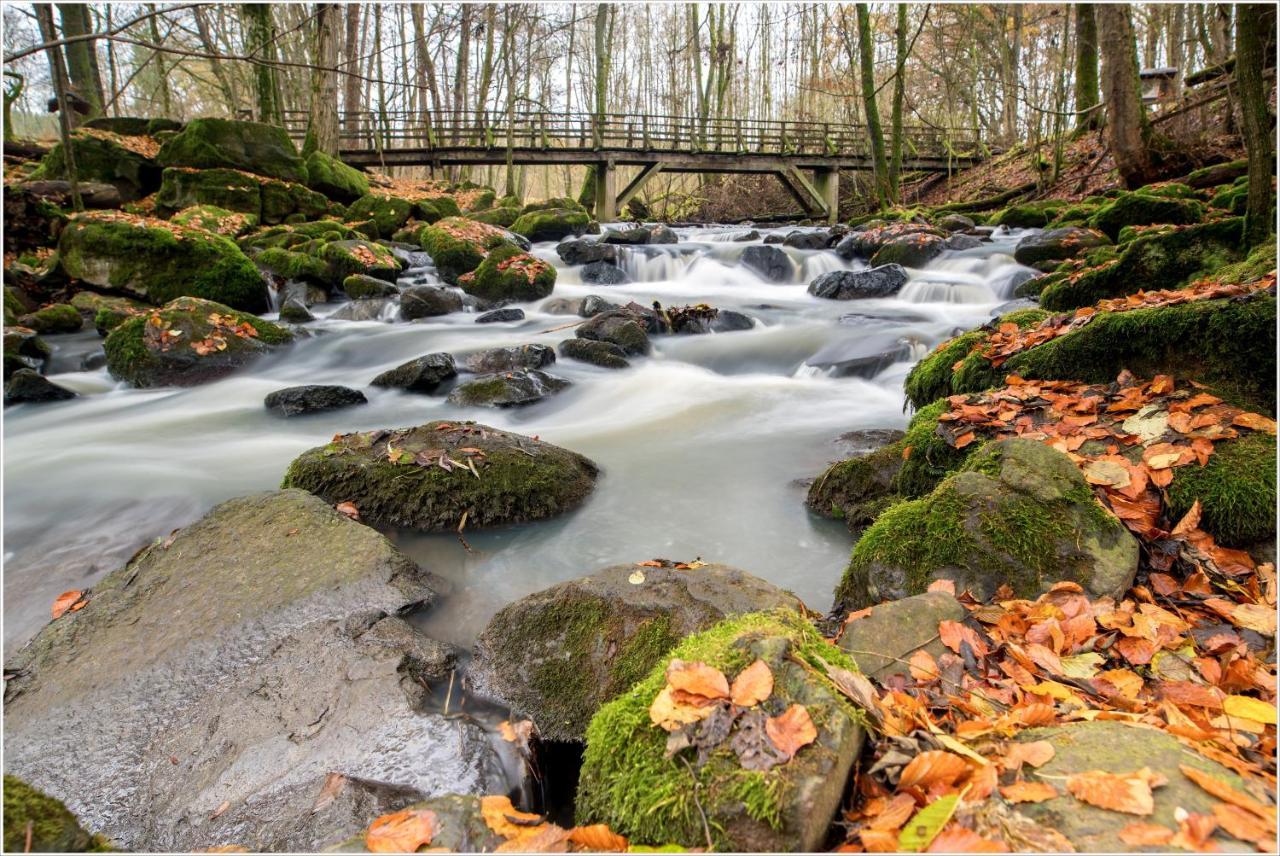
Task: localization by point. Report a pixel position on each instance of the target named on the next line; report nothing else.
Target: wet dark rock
(422, 374)
(301, 400)
(806, 240)
(557, 655)
(865, 356)
(770, 263)
(509, 359)
(562, 306)
(295, 311)
(1056, 245)
(654, 234)
(865, 440)
(604, 354)
(774, 238)
(866, 242)
(26, 385)
(594, 304)
(619, 327)
(427, 301)
(752, 235)
(884, 281)
(369, 309)
(93, 361)
(583, 251)
(604, 273)
(306, 293)
(962, 242)
(509, 389)
(23, 349)
(913, 250)
(1021, 283)
(496, 316)
(263, 688)
(728, 321)
(359, 286)
(955, 223)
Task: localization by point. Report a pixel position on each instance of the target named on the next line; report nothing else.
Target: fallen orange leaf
(66, 601)
(791, 730)
(933, 767)
(753, 685)
(401, 832)
(1032, 792)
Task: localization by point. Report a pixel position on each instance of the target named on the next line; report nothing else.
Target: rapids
(702, 446)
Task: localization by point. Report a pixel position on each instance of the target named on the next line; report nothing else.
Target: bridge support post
(606, 191)
(646, 173)
(827, 183)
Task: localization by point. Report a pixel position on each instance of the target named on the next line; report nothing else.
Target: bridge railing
(440, 129)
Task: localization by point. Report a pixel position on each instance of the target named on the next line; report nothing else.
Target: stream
(703, 445)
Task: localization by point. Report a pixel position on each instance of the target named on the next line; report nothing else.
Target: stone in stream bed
(883, 641)
(301, 400)
(557, 655)
(653, 234)
(28, 385)
(508, 273)
(23, 349)
(245, 634)
(603, 273)
(619, 327)
(604, 354)
(962, 242)
(507, 389)
(865, 356)
(584, 251)
(294, 311)
(395, 478)
(498, 316)
(428, 301)
(628, 782)
(509, 359)
(913, 251)
(421, 374)
(358, 286)
(884, 281)
(189, 341)
(594, 304)
(364, 309)
(771, 263)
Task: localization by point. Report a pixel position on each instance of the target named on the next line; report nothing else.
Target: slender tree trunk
(1175, 49)
(1086, 90)
(376, 9)
(215, 64)
(1013, 55)
(604, 13)
(1128, 129)
(1255, 41)
(351, 85)
(899, 71)
(260, 32)
(82, 56)
(113, 67)
(61, 91)
(867, 55)
(162, 73)
(322, 128)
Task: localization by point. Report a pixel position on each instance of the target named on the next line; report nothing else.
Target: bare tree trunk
(867, 57)
(322, 128)
(1255, 41)
(260, 32)
(82, 56)
(215, 64)
(1086, 90)
(351, 88)
(1128, 130)
(895, 122)
(166, 99)
(1175, 49)
(113, 67)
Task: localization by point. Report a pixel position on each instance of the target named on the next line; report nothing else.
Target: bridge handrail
(642, 132)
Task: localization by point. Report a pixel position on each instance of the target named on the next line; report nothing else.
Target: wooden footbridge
(807, 157)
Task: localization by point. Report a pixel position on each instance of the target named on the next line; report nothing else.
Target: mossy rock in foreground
(628, 782)
(519, 478)
(335, 179)
(1143, 209)
(53, 828)
(1019, 514)
(458, 245)
(156, 262)
(1236, 489)
(187, 342)
(99, 157)
(558, 654)
(509, 273)
(251, 146)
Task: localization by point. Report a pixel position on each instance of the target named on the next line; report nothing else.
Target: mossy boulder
(1221, 173)
(187, 342)
(157, 261)
(557, 655)
(508, 389)
(933, 377)
(288, 265)
(618, 327)
(54, 318)
(220, 221)
(1143, 208)
(458, 245)
(1232, 198)
(504, 217)
(333, 178)
(24, 349)
(229, 189)
(508, 273)
(629, 782)
(603, 354)
(388, 213)
(857, 490)
(1029, 215)
(1157, 259)
(435, 208)
(106, 312)
(289, 201)
(52, 827)
(345, 258)
(1122, 748)
(1236, 489)
(520, 479)
(1019, 513)
(105, 157)
(882, 641)
(250, 146)
(913, 251)
(359, 286)
(1057, 245)
(551, 224)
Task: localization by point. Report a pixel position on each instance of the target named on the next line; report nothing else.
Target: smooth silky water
(702, 446)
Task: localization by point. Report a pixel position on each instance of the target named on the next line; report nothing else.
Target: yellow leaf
(1249, 708)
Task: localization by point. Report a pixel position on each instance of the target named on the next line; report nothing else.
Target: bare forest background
(1016, 73)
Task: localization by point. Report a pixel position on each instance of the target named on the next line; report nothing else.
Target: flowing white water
(701, 445)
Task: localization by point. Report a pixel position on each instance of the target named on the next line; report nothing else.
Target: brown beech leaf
(1032, 792)
(1139, 834)
(953, 633)
(505, 819)
(349, 509)
(958, 839)
(697, 679)
(401, 832)
(670, 714)
(1222, 790)
(791, 730)
(598, 838)
(1036, 754)
(930, 768)
(1246, 826)
(66, 602)
(753, 685)
(1130, 793)
(897, 812)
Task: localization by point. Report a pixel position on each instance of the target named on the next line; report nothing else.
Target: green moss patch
(335, 179)
(1236, 489)
(458, 245)
(127, 164)
(388, 213)
(1145, 207)
(551, 224)
(250, 146)
(220, 221)
(509, 273)
(53, 828)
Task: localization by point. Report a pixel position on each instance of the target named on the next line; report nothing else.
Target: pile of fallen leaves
(1009, 339)
(700, 709)
(139, 145)
(411, 829)
(159, 334)
(524, 265)
(1127, 438)
(447, 451)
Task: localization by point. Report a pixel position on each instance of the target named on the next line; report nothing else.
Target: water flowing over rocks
(422, 374)
(508, 389)
(884, 281)
(770, 263)
(301, 400)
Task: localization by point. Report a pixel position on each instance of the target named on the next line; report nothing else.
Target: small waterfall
(656, 263)
(814, 265)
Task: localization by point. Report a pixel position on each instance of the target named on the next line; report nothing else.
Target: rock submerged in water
(584, 251)
(884, 281)
(396, 478)
(629, 783)
(771, 263)
(604, 354)
(603, 273)
(29, 386)
(422, 374)
(509, 359)
(557, 655)
(864, 356)
(302, 400)
(618, 327)
(428, 301)
(1019, 514)
(188, 341)
(498, 316)
(507, 389)
(279, 673)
